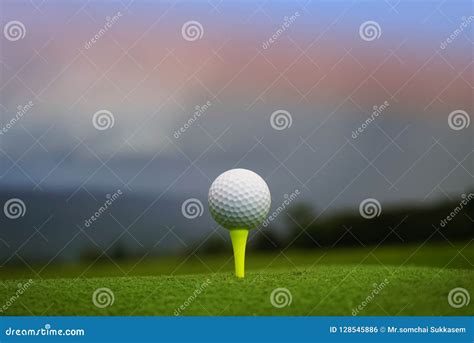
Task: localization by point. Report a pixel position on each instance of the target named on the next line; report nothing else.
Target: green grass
(460, 255)
(333, 282)
(322, 290)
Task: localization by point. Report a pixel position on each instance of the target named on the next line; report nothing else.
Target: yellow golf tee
(239, 241)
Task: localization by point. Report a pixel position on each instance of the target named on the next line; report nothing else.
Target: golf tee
(239, 241)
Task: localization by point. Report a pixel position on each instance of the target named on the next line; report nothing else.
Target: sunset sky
(319, 69)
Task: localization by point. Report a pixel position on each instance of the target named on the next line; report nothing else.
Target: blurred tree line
(303, 229)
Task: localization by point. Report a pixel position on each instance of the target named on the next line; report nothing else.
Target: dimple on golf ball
(239, 198)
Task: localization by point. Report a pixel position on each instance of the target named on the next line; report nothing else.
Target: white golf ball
(239, 198)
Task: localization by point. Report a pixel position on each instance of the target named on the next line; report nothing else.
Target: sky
(285, 103)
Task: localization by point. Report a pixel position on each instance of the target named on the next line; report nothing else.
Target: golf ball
(239, 198)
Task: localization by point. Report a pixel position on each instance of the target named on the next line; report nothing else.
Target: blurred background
(116, 116)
